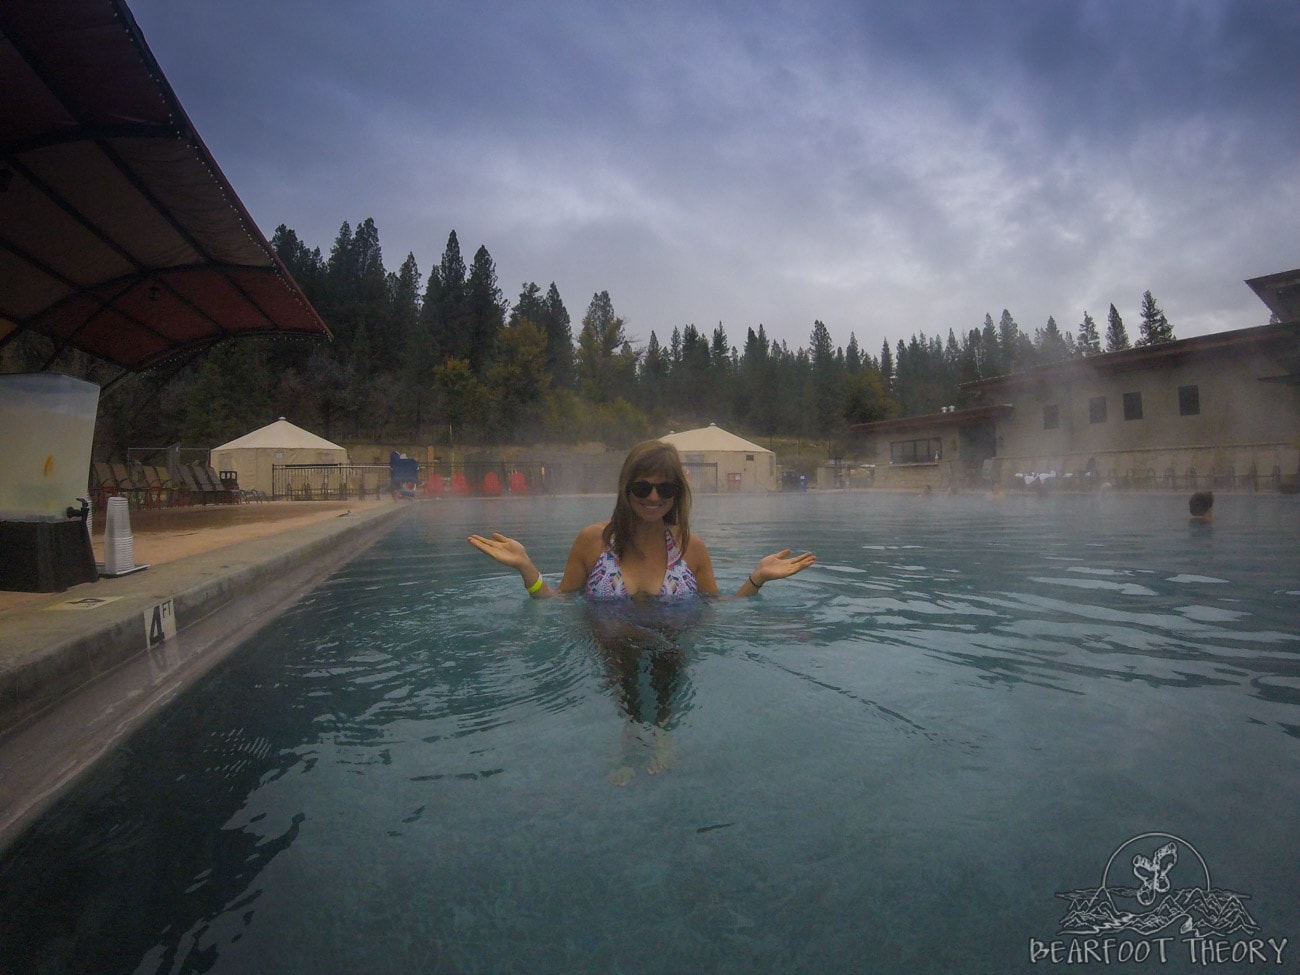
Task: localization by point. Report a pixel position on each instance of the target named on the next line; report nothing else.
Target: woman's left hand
(505, 550)
(780, 565)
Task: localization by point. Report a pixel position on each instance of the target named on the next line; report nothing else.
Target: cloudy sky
(886, 167)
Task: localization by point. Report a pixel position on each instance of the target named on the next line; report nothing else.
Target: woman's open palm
(505, 550)
(780, 565)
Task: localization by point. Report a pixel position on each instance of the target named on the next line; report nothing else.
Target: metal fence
(322, 482)
(338, 482)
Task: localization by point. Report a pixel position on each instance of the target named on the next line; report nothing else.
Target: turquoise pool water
(930, 753)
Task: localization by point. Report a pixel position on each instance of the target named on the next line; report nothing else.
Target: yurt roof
(280, 434)
(712, 437)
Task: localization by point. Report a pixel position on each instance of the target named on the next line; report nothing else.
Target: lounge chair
(127, 486)
(209, 483)
(158, 488)
(195, 490)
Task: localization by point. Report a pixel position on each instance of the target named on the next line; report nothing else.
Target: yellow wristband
(536, 587)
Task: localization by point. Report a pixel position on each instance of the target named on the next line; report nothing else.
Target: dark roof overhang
(1279, 339)
(954, 419)
(119, 234)
(1280, 292)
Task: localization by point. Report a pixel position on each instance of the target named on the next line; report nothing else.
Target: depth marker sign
(159, 623)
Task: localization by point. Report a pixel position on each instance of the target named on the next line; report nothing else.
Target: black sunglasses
(641, 489)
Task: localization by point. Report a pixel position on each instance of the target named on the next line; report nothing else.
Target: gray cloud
(887, 168)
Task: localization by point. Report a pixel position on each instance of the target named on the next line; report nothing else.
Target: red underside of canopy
(119, 235)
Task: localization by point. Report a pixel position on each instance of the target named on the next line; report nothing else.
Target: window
(1097, 409)
(1132, 406)
(1051, 417)
(749, 457)
(1189, 401)
(924, 451)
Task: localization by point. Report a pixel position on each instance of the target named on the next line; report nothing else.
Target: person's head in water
(654, 463)
(1201, 505)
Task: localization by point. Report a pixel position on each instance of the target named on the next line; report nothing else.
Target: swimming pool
(919, 756)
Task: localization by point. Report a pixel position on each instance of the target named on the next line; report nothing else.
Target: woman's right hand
(505, 550)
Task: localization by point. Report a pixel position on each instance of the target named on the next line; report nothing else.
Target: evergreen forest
(444, 357)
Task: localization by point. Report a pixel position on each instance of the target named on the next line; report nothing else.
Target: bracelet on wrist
(756, 585)
(536, 587)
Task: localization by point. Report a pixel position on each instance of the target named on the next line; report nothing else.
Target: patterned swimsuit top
(606, 579)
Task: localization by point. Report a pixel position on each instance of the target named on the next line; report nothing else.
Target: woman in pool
(646, 548)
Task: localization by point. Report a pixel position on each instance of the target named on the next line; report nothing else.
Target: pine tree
(372, 289)
(548, 313)
(852, 355)
(719, 377)
(229, 394)
(443, 311)
(530, 305)
(517, 380)
(751, 399)
(606, 363)
(1050, 343)
(968, 367)
(903, 389)
(827, 386)
(991, 363)
(719, 349)
(559, 339)
(339, 287)
(485, 311)
(308, 269)
(690, 377)
(403, 310)
(1116, 336)
(1155, 328)
(305, 265)
(1089, 339)
(1015, 348)
(951, 359)
(652, 377)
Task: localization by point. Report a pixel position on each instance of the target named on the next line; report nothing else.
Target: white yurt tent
(720, 461)
(253, 455)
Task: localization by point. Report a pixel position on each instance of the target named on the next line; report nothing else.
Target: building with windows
(954, 448)
(1218, 410)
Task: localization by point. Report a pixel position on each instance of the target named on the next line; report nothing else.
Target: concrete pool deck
(80, 668)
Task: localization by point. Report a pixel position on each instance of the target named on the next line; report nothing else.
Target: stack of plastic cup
(119, 544)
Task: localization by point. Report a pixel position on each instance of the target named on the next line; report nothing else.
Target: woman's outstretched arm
(778, 565)
(511, 553)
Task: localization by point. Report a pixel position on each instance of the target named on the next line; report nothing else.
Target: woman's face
(652, 507)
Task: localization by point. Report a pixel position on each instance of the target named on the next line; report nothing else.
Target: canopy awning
(1280, 292)
(119, 235)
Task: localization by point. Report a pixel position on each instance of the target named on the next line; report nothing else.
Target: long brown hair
(646, 458)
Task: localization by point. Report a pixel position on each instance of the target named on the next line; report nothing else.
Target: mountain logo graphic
(1154, 884)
